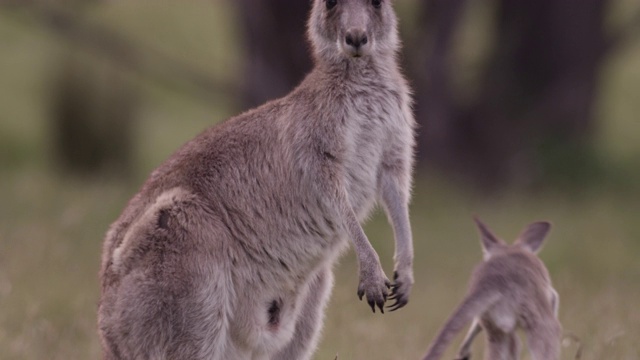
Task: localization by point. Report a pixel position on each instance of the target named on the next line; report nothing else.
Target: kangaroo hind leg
(544, 341)
(502, 345)
(464, 353)
(170, 297)
(309, 324)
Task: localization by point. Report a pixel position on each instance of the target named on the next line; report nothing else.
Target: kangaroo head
(530, 239)
(352, 29)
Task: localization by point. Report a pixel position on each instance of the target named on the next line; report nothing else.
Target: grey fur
(510, 289)
(226, 252)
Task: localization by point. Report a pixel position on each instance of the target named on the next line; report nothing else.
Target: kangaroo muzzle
(355, 40)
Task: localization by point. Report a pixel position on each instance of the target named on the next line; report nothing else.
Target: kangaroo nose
(356, 38)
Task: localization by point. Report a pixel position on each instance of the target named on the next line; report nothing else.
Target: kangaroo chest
(368, 125)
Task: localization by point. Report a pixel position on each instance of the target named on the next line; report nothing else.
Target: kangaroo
(227, 250)
(510, 289)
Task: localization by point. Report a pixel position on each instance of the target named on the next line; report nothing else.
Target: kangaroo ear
(533, 236)
(488, 240)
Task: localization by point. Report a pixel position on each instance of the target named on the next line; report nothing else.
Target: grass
(50, 249)
(51, 225)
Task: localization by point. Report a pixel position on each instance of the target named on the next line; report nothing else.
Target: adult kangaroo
(227, 250)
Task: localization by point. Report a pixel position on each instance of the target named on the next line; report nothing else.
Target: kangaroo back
(474, 304)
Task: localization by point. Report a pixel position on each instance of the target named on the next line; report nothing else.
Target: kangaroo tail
(474, 304)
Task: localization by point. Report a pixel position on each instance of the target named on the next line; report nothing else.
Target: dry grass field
(51, 225)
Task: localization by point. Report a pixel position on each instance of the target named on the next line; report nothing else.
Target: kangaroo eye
(376, 3)
(331, 4)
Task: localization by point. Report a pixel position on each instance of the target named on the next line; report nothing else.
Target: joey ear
(533, 235)
(488, 240)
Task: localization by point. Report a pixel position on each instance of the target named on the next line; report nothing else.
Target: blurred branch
(122, 51)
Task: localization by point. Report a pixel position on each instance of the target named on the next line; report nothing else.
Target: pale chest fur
(361, 115)
(371, 128)
(355, 128)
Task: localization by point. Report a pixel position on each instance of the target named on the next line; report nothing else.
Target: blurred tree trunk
(533, 114)
(93, 111)
(276, 52)
(431, 60)
(92, 108)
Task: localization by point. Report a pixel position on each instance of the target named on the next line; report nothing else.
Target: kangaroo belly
(265, 321)
(503, 318)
